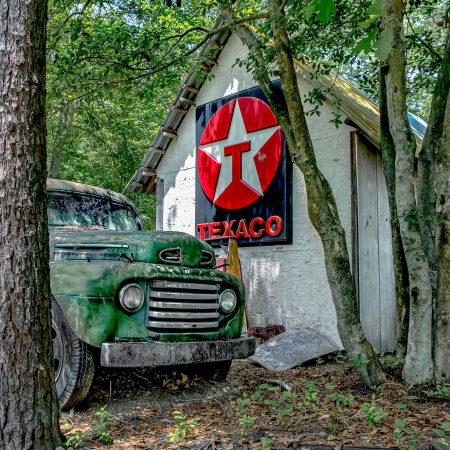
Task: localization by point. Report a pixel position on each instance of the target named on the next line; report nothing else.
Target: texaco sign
(243, 181)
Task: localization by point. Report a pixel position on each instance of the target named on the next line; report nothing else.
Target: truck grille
(183, 306)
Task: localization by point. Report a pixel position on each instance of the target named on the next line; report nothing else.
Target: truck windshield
(73, 209)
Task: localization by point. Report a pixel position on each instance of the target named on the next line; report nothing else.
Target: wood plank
(387, 281)
(169, 133)
(179, 110)
(187, 101)
(192, 89)
(147, 172)
(369, 288)
(354, 212)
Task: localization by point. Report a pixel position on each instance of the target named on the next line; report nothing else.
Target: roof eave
(144, 179)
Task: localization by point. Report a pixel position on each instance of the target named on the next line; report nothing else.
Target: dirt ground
(327, 405)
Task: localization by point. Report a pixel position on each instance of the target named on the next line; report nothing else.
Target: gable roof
(354, 104)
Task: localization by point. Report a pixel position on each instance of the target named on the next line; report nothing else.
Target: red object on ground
(263, 334)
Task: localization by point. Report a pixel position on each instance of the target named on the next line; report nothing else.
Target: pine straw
(142, 408)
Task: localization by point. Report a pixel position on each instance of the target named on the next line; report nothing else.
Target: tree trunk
(322, 208)
(65, 123)
(399, 262)
(28, 405)
(442, 324)
(426, 180)
(438, 145)
(418, 366)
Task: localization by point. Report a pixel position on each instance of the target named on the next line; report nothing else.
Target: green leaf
(309, 10)
(365, 44)
(397, 435)
(400, 424)
(439, 446)
(383, 45)
(326, 10)
(401, 405)
(376, 8)
(439, 432)
(446, 426)
(366, 23)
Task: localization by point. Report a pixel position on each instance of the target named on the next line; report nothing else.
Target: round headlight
(227, 300)
(131, 297)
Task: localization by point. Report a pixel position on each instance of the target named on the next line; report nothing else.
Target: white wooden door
(374, 241)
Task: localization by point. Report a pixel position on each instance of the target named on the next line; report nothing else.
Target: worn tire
(72, 360)
(215, 371)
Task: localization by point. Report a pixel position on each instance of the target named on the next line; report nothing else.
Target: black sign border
(286, 159)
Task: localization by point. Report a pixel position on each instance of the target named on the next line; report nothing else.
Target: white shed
(286, 282)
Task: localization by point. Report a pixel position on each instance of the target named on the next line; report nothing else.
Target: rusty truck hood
(168, 247)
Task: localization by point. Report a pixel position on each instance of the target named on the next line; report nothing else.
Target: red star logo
(239, 153)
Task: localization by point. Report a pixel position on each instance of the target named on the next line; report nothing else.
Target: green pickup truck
(143, 299)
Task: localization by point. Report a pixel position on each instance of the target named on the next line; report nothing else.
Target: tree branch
(427, 46)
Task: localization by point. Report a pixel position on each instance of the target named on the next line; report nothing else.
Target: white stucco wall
(285, 284)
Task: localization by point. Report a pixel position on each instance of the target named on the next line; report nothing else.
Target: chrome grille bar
(184, 315)
(184, 286)
(183, 295)
(184, 306)
(185, 326)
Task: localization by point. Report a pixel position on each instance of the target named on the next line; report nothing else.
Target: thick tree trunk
(399, 262)
(321, 203)
(28, 405)
(426, 180)
(439, 147)
(442, 324)
(65, 123)
(419, 365)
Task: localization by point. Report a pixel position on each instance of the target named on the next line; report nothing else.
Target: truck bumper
(156, 354)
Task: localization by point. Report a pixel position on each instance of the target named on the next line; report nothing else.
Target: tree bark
(65, 123)
(419, 365)
(28, 405)
(322, 207)
(440, 145)
(399, 262)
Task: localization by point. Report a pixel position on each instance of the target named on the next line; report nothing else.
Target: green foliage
(392, 361)
(424, 36)
(359, 361)
(401, 405)
(383, 44)
(405, 437)
(312, 394)
(184, 427)
(74, 441)
(441, 392)
(265, 444)
(279, 404)
(101, 426)
(100, 431)
(118, 64)
(444, 434)
(340, 399)
(246, 421)
(373, 413)
(322, 10)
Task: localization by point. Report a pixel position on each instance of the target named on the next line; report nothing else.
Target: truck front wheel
(72, 360)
